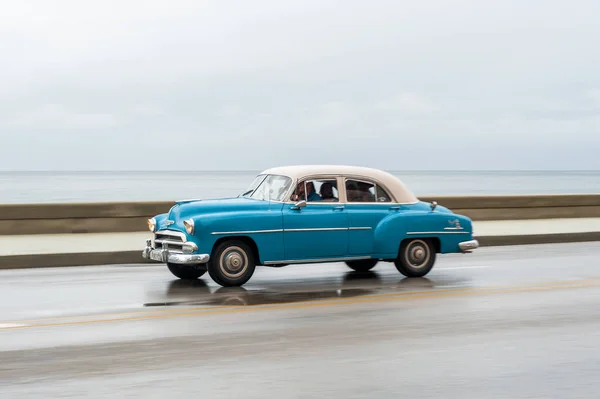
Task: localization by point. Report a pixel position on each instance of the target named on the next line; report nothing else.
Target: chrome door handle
(395, 208)
(338, 207)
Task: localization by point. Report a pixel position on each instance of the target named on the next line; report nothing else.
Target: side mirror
(298, 205)
(433, 206)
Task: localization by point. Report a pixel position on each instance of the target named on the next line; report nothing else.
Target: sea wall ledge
(108, 217)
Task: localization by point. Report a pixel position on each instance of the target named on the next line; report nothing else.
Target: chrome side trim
(437, 232)
(323, 202)
(317, 229)
(288, 230)
(447, 230)
(246, 232)
(273, 262)
(319, 203)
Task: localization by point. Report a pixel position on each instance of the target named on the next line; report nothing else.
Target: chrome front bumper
(468, 246)
(166, 256)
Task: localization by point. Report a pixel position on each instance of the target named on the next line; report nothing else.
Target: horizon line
(259, 170)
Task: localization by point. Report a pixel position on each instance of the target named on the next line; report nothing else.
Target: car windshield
(268, 187)
(257, 180)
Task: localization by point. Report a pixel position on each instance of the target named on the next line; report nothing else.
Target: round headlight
(152, 224)
(189, 226)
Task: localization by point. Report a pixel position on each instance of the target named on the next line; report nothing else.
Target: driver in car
(312, 194)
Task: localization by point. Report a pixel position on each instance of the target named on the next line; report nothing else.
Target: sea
(76, 187)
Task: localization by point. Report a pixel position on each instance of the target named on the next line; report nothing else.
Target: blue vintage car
(307, 214)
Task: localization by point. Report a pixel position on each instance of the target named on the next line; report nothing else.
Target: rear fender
(448, 228)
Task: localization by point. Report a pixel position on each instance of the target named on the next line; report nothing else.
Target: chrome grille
(173, 240)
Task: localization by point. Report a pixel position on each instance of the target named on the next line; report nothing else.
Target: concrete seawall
(109, 217)
(60, 235)
(131, 216)
(520, 207)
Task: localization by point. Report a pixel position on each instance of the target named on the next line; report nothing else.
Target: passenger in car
(365, 194)
(359, 192)
(352, 192)
(312, 193)
(327, 192)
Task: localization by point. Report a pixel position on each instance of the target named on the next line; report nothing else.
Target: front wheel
(232, 264)
(416, 257)
(186, 272)
(363, 265)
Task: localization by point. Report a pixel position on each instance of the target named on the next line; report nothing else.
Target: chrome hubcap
(233, 262)
(417, 254)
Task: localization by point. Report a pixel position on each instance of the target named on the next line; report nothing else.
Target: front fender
(263, 227)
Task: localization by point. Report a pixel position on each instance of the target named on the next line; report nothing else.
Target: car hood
(192, 208)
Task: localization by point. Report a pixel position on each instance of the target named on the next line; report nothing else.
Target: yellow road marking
(377, 298)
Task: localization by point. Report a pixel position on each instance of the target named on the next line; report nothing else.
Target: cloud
(594, 96)
(400, 84)
(334, 113)
(408, 103)
(58, 117)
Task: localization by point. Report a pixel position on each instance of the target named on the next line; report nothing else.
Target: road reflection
(353, 284)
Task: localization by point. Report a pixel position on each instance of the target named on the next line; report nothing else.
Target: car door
(366, 205)
(318, 230)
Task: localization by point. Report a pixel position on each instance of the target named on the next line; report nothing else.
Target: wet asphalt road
(504, 322)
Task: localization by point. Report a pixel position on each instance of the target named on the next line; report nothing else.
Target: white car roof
(390, 182)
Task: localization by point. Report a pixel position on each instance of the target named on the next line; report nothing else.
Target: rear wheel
(232, 263)
(186, 272)
(363, 265)
(416, 257)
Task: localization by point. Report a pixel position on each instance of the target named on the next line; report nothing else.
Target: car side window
(361, 191)
(316, 190)
(381, 195)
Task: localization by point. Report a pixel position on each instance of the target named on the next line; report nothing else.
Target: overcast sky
(218, 84)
